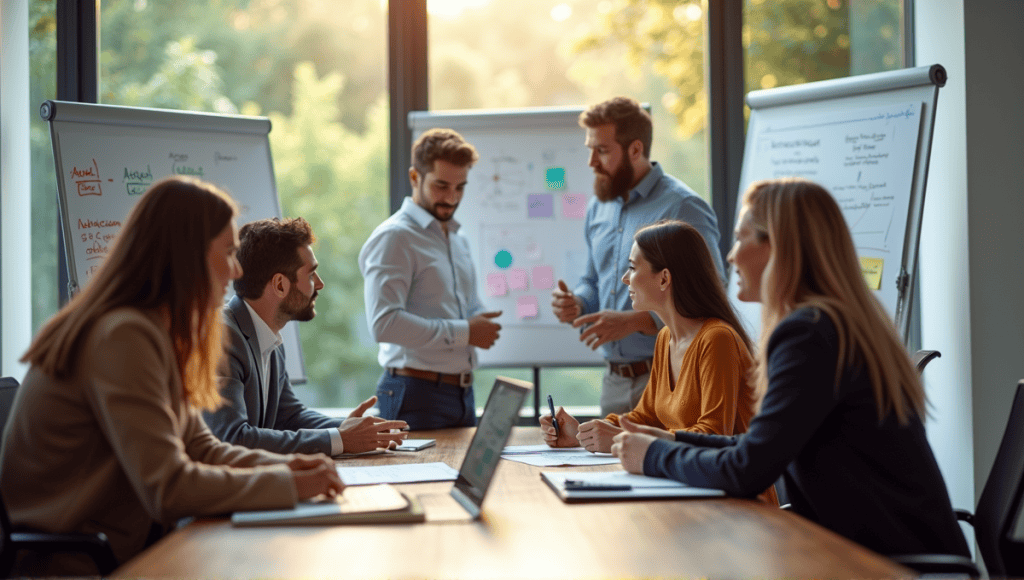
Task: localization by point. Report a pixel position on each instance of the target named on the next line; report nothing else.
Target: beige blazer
(116, 448)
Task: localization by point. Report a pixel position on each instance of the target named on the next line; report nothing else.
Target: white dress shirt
(420, 292)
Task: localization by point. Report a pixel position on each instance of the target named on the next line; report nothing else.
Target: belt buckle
(466, 379)
(624, 370)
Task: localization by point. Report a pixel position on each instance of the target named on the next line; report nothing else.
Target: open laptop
(482, 456)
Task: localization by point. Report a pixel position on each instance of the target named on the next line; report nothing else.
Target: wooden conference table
(525, 532)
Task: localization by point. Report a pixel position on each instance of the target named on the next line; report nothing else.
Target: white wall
(972, 269)
(995, 215)
(15, 189)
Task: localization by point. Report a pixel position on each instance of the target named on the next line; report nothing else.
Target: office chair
(999, 518)
(921, 359)
(95, 545)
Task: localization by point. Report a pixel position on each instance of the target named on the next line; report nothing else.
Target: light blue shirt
(609, 228)
(419, 288)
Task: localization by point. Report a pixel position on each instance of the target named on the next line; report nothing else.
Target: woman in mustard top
(702, 356)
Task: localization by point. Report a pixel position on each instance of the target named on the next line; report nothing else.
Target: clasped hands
(629, 442)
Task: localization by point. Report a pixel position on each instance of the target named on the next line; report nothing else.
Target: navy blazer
(285, 425)
(875, 482)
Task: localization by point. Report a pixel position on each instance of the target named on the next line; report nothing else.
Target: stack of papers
(544, 456)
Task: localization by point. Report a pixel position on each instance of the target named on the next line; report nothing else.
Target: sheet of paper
(405, 473)
(544, 456)
(557, 459)
(542, 448)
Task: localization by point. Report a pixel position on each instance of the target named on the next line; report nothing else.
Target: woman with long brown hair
(701, 358)
(105, 434)
(841, 418)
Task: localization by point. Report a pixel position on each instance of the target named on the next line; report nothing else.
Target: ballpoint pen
(554, 420)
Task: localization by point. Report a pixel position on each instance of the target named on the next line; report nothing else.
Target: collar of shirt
(646, 185)
(424, 218)
(266, 338)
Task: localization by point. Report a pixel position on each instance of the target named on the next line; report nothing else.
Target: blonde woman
(105, 434)
(842, 408)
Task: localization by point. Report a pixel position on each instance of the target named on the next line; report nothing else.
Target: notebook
(483, 454)
(372, 504)
(605, 485)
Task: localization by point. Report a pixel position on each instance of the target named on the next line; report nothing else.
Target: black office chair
(999, 519)
(921, 359)
(95, 545)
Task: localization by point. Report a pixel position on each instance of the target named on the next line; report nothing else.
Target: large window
(43, 86)
(792, 42)
(575, 53)
(319, 73)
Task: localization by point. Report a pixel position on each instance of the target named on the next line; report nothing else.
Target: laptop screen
(491, 435)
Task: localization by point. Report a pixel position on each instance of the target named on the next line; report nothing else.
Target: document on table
(636, 486)
(544, 456)
(404, 473)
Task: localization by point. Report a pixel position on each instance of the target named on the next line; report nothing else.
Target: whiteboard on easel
(107, 156)
(867, 140)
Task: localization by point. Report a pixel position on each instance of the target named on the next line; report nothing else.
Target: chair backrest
(8, 388)
(1000, 498)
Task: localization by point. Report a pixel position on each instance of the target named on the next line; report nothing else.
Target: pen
(554, 420)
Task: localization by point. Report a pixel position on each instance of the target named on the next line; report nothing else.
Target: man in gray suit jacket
(279, 283)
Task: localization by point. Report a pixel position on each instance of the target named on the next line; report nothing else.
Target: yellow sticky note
(871, 268)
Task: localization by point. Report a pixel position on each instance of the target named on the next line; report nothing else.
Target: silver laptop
(484, 452)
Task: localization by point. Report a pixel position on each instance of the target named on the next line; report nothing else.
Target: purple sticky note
(543, 277)
(574, 205)
(527, 307)
(540, 205)
(496, 285)
(517, 279)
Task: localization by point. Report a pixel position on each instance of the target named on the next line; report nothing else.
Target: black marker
(554, 420)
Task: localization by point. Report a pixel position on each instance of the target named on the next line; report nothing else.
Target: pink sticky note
(574, 205)
(496, 285)
(543, 277)
(517, 279)
(527, 307)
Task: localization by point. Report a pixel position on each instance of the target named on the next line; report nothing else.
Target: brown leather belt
(463, 380)
(631, 370)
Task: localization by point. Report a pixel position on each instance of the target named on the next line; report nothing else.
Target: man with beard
(631, 191)
(420, 293)
(279, 283)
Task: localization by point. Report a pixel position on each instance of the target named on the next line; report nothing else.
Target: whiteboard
(867, 140)
(523, 212)
(107, 156)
